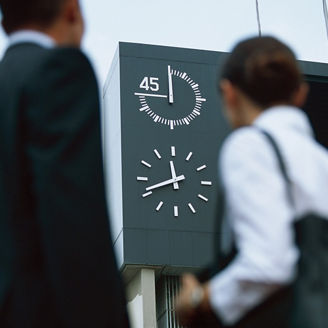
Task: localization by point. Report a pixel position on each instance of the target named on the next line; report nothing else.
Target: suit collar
(23, 46)
(31, 36)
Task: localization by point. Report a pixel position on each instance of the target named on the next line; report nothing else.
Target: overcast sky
(207, 24)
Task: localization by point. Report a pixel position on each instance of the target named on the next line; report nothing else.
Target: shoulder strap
(282, 165)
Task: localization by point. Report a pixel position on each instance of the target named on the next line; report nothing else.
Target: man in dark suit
(57, 267)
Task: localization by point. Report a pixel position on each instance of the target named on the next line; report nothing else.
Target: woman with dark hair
(273, 171)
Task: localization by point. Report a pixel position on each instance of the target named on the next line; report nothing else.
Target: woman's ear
(300, 96)
(229, 94)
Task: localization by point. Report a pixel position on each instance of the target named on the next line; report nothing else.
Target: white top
(258, 211)
(32, 36)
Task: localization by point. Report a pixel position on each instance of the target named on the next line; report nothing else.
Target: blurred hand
(185, 308)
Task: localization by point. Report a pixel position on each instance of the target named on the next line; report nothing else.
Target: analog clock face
(171, 181)
(176, 90)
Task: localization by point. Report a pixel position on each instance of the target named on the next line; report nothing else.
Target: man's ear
(300, 96)
(72, 11)
(229, 93)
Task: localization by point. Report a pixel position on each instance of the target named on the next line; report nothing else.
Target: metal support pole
(258, 18)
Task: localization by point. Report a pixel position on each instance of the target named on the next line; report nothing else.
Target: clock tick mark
(176, 211)
(159, 206)
(192, 209)
(157, 154)
(142, 178)
(146, 164)
(200, 99)
(173, 151)
(147, 194)
(206, 183)
(203, 198)
(201, 168)
(188, 157)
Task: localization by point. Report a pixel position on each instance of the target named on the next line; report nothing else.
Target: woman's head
(259, 73)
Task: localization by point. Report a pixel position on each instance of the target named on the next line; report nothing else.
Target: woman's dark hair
(265, 69)
(18, 13)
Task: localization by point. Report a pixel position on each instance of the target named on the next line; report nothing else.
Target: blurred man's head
(60, 19)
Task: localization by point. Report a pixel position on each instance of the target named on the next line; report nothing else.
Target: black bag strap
(282, 166)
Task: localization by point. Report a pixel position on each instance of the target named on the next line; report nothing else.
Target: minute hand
(165, 183)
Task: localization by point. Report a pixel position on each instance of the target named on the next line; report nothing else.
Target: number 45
(151, 83)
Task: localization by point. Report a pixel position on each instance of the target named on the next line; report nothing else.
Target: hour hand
(174, 175)
(165, 183)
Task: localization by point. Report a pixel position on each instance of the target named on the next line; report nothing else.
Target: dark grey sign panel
(171, 130)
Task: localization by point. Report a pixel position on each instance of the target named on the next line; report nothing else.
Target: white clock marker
(143, 108)
(203, 198)
(188, 157)
(159, 206)
(200, 99)
(191, 208)
(176, 211)
(147, 194)
(206, 183)
(201, 168)
(172, 125)
(145, 163)
(157, 154)
(173, 151)
(142, 178)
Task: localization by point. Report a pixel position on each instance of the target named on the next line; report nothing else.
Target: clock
(174, 181)
(183, 105)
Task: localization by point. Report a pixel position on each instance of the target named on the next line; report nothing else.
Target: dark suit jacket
(57, 267)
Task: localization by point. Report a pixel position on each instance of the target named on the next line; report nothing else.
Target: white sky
(207, 24)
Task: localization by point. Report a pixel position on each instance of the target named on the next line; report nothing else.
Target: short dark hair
(17, 13)
(265, 69)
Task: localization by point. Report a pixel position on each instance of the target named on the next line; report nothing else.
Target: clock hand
(170, 85)
(175, 184)
(150, 95)
(165, 183)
